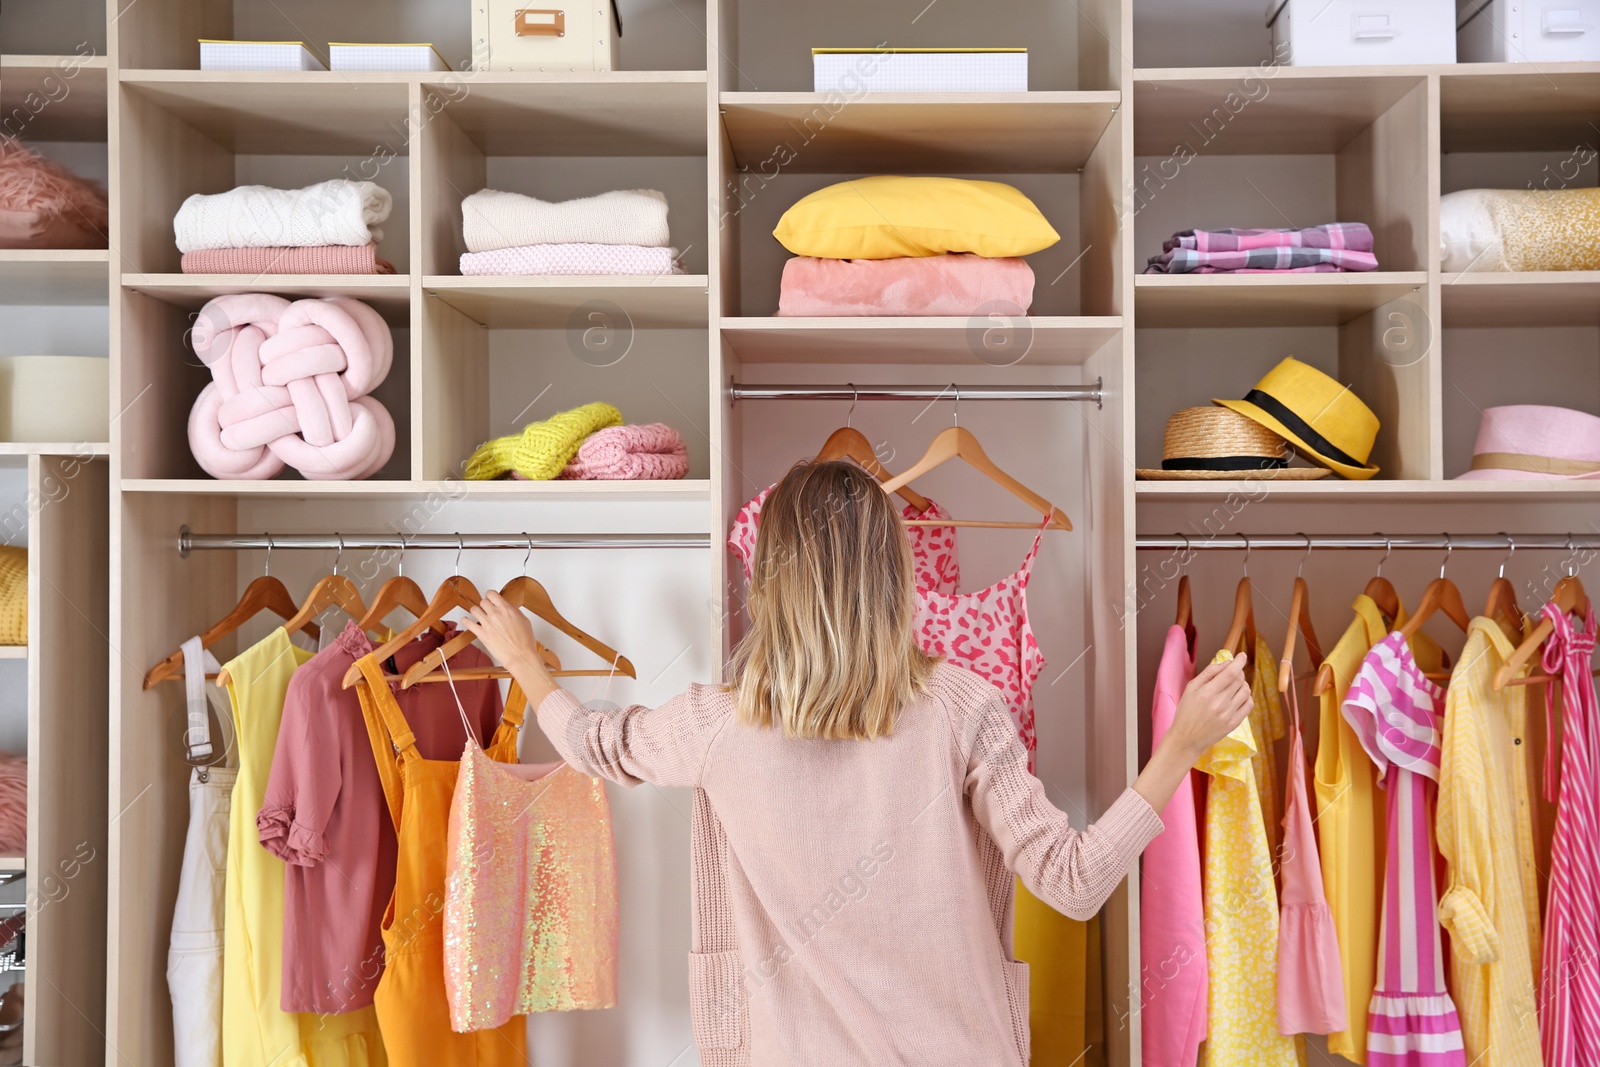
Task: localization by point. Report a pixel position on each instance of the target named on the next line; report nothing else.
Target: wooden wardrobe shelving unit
(477, 356)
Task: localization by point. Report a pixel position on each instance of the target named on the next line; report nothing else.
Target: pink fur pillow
(954, 284)
(13, 805)
(44, 205)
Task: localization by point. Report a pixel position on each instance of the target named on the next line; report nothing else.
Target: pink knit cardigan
(853, 898)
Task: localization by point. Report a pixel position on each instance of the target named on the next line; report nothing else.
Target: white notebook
(257, 55)
(402, 57)
(920, 70)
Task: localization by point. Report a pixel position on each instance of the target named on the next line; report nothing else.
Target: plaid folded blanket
(1351, 236)
(1190, 261)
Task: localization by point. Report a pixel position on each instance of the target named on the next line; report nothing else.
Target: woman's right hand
(1214, 702)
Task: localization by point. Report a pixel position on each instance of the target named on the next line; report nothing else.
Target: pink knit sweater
(867, 883)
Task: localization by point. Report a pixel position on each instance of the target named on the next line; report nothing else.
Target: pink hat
(1526, 442)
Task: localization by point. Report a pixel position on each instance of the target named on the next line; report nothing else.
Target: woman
(874, 801)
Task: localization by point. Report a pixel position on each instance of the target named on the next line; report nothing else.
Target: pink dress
(1172, 937)
(1569, 987)
(1310, 979)
(1395, 709)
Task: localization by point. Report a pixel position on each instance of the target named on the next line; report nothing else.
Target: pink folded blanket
(571, 259)
(631, 453)
(312, 259)
(955, 284)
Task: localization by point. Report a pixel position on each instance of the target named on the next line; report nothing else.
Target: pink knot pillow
(289, 388)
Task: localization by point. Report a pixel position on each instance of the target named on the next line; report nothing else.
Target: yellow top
(1350, 822)
(1241, 898)
(1484, 827)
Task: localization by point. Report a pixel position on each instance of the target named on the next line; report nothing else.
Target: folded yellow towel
(543, 449)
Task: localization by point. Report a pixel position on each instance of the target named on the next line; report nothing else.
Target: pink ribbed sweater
(867, 886)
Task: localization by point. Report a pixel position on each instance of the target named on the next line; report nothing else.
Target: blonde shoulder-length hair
(831, 651)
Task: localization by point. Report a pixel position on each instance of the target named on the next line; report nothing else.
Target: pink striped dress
(1396, 711)
(1569, 987)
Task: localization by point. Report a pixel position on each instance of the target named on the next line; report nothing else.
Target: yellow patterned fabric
(1351, 836)
(1241, 899)
(13, 595)
(1484, 827)
(1520, 229)
(543, 449)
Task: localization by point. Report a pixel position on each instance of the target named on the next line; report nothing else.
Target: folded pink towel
(314, 259)
(572, 259)
(630, 453)
(955, 284)
(289, 387)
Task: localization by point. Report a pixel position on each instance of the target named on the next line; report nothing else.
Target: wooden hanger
(454, 592)
(1502, 602)
(847, 442)
(336, 590)
(957, 442)
(397, 593)
(264, 594)
(1441, 595)
(1185, 616)
(1242, 628)
(1381, 592)
(521, 592)
(1569, 597)
(1299, 625)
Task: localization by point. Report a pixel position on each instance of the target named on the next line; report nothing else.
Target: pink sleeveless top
(987, 632)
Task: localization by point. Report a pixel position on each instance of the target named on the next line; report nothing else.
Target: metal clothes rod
(917, 392)
(1438, 542)
(188, 541)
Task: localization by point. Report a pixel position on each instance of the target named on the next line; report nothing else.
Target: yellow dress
(255, 1032)
(1350, 822)
(1056, 950)
(1241, 898)
(1484, 827)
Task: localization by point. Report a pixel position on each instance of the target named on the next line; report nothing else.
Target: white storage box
(404, 57)
(65, 399)
(919, 70)
(1528, 31)
(509, 35)
(1337, 33)
(257, 55)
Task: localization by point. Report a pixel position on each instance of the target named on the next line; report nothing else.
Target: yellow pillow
(13, 595)
(889, 217)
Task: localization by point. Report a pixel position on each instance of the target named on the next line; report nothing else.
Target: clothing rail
(958, 393)
(189, 541)
(1438, 542)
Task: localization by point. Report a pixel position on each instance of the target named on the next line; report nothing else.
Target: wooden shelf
(1251, 111)
(13, 863)
(390, 294)
(49, 276)
(970, 133)
(1509, 107)
(1376, 491)
(1536, 298)
(53, 448)
(71, 88)
(1165, 300)
(668, 300)
(1052, 341)
(284, 113)
(686, 489)
(13, 652)
(615, 113)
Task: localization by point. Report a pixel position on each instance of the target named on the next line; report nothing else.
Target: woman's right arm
(1076, 872)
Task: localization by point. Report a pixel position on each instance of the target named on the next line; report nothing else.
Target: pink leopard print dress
(987, 632)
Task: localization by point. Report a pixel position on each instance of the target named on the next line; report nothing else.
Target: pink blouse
(324, 815)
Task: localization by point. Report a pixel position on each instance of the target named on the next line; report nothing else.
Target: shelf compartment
(53, 98)
(284, 112)
(389, 294)
(632, 113)
(687, 489)
(961, 133)
(52, 276)
(1507, 107)
(1536, 298)
(672, 300)
(1048, 341)
(1260, 111)
(1178, 300)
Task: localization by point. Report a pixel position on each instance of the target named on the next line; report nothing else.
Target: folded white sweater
(334, 212)
(491, 220)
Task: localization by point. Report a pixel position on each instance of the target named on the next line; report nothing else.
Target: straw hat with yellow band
(1323, 419)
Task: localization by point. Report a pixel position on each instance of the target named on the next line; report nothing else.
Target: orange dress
(413, 1011)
